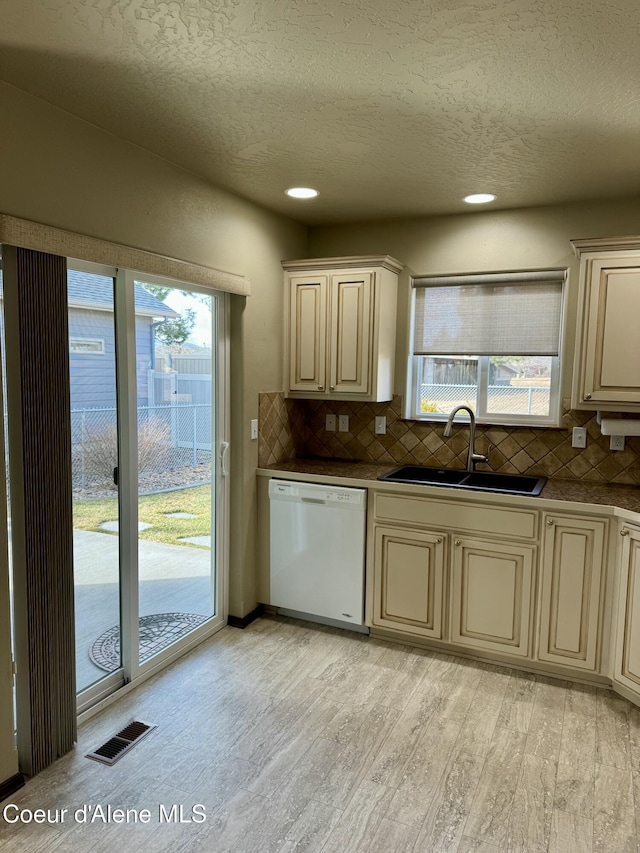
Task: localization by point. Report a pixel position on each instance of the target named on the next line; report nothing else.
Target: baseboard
(243, 621)
(490, 657)
(11, 785)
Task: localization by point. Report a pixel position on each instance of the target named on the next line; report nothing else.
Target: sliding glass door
(176, 495)
(94, 449)
(148, 360)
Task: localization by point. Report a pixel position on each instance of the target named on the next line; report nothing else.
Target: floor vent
(122, 742)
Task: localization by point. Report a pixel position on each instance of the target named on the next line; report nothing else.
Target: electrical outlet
(254, 429)
(343, 423)
(330, 423)
(579, 437)
(381, 425)
(616, 442)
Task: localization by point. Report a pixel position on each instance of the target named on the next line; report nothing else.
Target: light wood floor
(299, 737)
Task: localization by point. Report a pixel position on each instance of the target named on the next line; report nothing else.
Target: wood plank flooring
(299, 737)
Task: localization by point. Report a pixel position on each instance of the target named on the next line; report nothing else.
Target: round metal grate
(156, 633)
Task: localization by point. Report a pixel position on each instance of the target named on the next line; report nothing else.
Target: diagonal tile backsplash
(281, 429)
(296, 428)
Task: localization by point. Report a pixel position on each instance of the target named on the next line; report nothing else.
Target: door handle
(224, 449)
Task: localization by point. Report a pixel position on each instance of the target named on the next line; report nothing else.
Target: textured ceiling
(388, 107)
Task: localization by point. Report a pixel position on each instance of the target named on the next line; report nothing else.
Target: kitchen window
(491, 342)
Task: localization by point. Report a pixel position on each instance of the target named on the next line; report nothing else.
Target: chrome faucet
(473, 458)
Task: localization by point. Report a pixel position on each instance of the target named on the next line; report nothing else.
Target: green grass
(88, 515)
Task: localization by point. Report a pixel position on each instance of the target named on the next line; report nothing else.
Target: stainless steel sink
(488, 481)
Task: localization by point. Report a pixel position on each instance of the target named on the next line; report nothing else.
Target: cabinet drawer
(509, 523)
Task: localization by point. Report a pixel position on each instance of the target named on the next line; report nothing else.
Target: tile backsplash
(294, 428)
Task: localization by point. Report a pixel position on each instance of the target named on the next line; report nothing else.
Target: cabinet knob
(332, 387)
(320, 387)
(587, 396)
(550, 521)
(438, 540)
(458, 542)
(624, 532)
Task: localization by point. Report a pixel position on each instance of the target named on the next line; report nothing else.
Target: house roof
(87, 290)
(389, 109)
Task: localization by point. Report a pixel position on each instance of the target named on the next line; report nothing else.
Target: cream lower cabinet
(408, 580)
(429, 558)
(627, 648)
(570, 594)
(492, 595)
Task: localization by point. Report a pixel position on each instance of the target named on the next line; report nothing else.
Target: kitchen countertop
(576, 491)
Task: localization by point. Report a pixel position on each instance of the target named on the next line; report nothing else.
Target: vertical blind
(492, 314)
(35, 295)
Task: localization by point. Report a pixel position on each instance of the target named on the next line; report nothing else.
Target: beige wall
(482, 241)
(61, 171)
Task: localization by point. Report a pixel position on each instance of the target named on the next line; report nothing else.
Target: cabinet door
(408, 581)
(572, 558)
(350, 332)
(611, 351)
(491, 595)
(627, 657)
(308, 332)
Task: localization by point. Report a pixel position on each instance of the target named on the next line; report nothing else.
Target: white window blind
(493, 314)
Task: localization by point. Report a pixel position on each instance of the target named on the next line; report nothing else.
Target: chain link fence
(174, 448)
(502, 399)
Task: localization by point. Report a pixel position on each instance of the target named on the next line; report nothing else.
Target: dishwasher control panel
(316, 493)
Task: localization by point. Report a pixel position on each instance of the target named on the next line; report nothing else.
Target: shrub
(98, 449)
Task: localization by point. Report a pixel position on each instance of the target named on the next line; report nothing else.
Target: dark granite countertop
(577, 491)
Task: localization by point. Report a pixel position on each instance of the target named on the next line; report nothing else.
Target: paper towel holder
(617, 426)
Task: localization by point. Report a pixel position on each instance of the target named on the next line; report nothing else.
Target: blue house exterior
(92, 360)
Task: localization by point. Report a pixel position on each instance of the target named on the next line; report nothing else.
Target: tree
(172, 332)
(177, 330)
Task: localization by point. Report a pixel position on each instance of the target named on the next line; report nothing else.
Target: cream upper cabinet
(341, 326)
(571, 583)
(627, 646)
(307, 347)
(408, 580)
(607, 363)
(491, 595)
(350, 330)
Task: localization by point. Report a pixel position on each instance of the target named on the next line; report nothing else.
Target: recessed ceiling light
(479, 198)
(302, 192)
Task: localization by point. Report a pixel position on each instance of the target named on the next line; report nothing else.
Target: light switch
(381, 425)
(343, 423)
(579, 437)
(254, 429)
(330, 423)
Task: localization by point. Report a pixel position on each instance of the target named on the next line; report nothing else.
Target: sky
(201, 332)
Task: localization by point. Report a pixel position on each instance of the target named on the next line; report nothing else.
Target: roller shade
(493, 314)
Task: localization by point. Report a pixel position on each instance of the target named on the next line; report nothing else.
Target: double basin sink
(487, 481)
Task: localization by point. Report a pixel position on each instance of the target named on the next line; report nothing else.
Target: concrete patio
(173, 579)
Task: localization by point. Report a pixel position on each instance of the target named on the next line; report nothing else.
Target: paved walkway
(173, 579)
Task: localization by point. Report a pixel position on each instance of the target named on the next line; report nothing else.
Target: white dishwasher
(317, 550)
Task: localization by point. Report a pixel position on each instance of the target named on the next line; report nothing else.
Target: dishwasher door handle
(313, 501)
